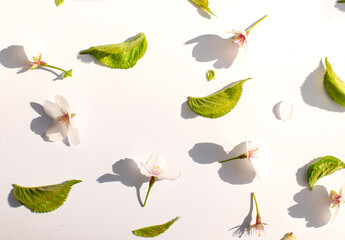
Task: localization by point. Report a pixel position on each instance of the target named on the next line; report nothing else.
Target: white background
(127, 114)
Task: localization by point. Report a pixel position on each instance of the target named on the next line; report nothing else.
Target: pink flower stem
(152, 181)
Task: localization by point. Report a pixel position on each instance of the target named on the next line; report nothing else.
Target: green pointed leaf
(210, 75)
(218, 104)
(323, 167)
(154, 231)
(45, 198)
(123, 55)
(203, 4)
(334, 86)
(59, 2)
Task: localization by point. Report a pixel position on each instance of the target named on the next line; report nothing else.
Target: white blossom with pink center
(63, 124)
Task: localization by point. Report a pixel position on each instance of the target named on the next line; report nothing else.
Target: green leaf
(323, 167)
(203, 4)
(45, 198)
(154, 231)
(334, 86)
(59, 2)
(210, 75)
(123, 55)
(218, 104)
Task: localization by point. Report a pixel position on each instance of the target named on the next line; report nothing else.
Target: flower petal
(56, 131)
(62, 103)
(286, 110)
(171, 173)
(156, 160)
(53, 110)
(73, 135)
(143, 169)
(334, 212)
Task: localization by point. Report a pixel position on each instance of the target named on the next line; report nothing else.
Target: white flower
(63, 124)
(156, 166)
(335, 201)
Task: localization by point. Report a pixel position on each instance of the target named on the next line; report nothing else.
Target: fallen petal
(285, 110)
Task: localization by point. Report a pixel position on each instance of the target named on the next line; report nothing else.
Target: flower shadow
(12, 200)
(126, 172)
(314, 93)
(40, 124)
(313, 206)
(238, 171)
(200, 11)
(243, 229)
(14, 57)
(214, 48)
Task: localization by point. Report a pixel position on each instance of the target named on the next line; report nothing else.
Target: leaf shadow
(314, 93)
(238, 171)
(200, 11)
(301, 174)
(313, 206)
(243, 229)
(127, 172)
(187, 112)
(87, 58)
(214, 48)
(12, 200)
(340, 6)
(14, 57)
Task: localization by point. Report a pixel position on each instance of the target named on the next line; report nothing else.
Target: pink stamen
(64, 120)
(156, 170)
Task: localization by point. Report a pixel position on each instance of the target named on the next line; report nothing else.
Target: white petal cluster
(156, 166)
(63, 124)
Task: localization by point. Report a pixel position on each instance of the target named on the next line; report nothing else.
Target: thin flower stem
(238, 157)
(256, 205)
(50, 66)
(152, 181)
(256, 23)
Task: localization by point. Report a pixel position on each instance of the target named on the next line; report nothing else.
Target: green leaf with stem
(203, 4)
(217, 104)
(156, 230)
(45, 198)
(323, 167)
(123, 55)
(334, 86)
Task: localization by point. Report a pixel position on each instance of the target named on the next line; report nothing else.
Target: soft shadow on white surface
(187, 112)
(200, 11)
(40, 124)
(314, 93)
(87, 58)
(126, 172)
(214, 48)
(14, 57)
(238, 171)
(301, 174)
(340, 6)
(12, 200)
(243, 229)
(313, 206)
